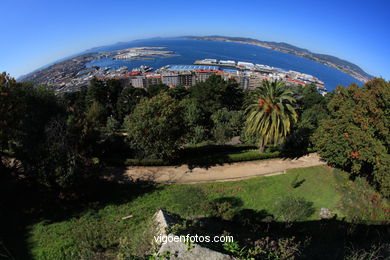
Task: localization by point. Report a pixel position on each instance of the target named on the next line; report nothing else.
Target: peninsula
(328, 60)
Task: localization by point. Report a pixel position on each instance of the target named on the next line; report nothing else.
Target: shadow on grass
(23, 204)
(321, 239)
(209, 155)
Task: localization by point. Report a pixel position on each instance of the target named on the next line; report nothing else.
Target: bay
(188, 50)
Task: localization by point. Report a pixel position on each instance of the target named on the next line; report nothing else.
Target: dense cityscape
(70, 75)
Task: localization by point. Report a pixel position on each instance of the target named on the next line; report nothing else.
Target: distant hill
(331, 61)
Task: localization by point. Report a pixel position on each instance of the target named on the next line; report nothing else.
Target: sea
(188, 50)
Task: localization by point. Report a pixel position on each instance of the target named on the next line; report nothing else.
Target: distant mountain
(331, 61)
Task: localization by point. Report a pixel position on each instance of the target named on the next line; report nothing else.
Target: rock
(180, 250)
(175, 249)
(325, 213)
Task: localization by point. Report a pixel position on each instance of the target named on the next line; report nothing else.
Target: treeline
(59, 141)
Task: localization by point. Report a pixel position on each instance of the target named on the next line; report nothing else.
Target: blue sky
(34, 33)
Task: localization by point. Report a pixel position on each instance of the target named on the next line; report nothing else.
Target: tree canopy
(156, 128)
(271, 115)
(356, 137)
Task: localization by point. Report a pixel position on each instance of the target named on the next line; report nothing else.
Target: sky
(35, 33)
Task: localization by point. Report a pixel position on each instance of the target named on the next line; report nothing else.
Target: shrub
(225, 208)
(376, 252)
(267, 248)
(282, 248)
(290, 209)
(360, 201)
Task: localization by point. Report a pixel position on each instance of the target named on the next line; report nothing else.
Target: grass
(102, 230)
(260, 193)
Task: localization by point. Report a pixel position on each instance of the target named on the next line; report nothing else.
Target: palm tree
(271, 114)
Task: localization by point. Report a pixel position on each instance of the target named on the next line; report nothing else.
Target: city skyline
(41, 32)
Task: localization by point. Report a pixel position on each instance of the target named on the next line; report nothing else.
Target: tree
(154, 90)
(356, 137)
(56, 163)
(195, 121)
(96, 114)
(97, 92)
(24, 112)
(179, 92)
(271, 115)
(127, 100)
(216, 93)
(112, 126)
(311, 108)
(34, 129)
(227, 124)
(155, 128)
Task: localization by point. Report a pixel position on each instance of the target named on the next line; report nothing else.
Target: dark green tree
(195, 120)
(155, 128)
(216, 93)
(127, 100)
(227, 124)
(311, 108)
(356, 137)
(179, 92)
(154, 90)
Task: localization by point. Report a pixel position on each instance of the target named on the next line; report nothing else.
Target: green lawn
(102, 229)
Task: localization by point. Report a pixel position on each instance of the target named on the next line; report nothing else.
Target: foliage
(290, 209)
(42, 140)
(57, 164)
(375, 252)
(226, 124)
(311, 109)
(127, 100)
(222, 157)
(155, 128)
(215, 94)
(154, 90)
(356, 137)
(266, 248)
(179, 92)
(195, 121)
(112, 126)
(360, 203)
(233, 248)
(96, 114)
(271, 115)
(226, 207)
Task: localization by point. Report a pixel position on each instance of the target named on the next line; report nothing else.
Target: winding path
(219, 173)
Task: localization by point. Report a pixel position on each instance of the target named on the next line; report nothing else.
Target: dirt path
(226, 172)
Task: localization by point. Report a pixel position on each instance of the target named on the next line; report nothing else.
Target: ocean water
(190, 50)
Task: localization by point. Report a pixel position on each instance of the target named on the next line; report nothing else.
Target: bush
(267, 248)
(225, 208)
(251, 155)
(376, 252)
(290, 209)
(359, 201)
